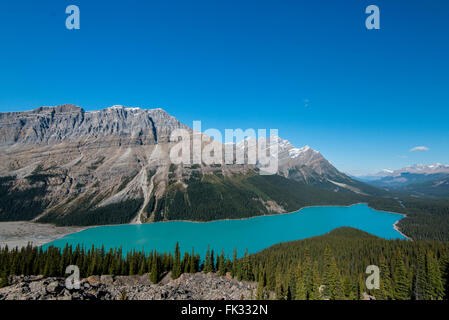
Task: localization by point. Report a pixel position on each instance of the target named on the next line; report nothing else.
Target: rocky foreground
(187, 287)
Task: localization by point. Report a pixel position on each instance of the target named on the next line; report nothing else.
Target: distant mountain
(418, 180)
(71, 167)
(437, 187)
(417, 168)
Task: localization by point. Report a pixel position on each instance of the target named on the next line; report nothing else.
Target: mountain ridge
(417, 180)
(76, 167)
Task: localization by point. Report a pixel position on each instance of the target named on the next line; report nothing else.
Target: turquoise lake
(253, 234)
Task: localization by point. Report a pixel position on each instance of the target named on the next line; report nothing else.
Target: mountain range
(69, 166)
(418, 180)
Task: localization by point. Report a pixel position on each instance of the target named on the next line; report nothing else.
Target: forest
(328, 267)
(426, 219)
(213, 197)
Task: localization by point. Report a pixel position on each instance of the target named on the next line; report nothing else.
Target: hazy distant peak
(416, 168)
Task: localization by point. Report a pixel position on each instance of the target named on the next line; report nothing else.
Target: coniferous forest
(332, 266)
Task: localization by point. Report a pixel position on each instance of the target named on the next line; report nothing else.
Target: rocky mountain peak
(70, 123)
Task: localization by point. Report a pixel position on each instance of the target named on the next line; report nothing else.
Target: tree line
(324, 267)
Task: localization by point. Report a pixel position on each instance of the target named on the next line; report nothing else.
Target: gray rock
(53, 287)
(107, 279)
(186, 287)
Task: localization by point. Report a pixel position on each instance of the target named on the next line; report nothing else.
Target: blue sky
(311, 69)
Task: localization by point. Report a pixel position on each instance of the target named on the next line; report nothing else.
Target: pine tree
(192, 264)
(260, 293)
(176, 272)
(142, 267)
(155, 269)
(386, 290)
(315, 293)
(3, 279)
(436, 285)
(212, 261)
(279, 283)
(207, 261)
(401, 285)
(245, 272)
(334, 281)
(327, 272)
(234, 264)
(301, 291)
(307, 274)
(221, 263)
(360, 288)
(420, 278)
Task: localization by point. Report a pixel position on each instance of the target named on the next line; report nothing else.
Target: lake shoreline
(60, 232)
(20, 233)
(395, 227)
(270, 215)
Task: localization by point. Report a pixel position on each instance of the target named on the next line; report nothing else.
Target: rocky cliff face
(77, 160)
(116, 125)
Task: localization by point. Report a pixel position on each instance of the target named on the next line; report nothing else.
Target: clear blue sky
(311, 69)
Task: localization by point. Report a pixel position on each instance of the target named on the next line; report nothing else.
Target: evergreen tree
(185, 264)
(221, 263)
(315, 293)
(176, 272)
(260, 293)
(207, 261)
(212, 261)
(420, 278)
(334, 281)
(142, 267)
(301, 291)
(155, 269)
(401, 286)
(3, 279)
(234, 264)
(436, 286)
(385, 283)
(279, 289)
(192, 264)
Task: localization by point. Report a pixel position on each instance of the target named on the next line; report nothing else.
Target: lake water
(253, 234)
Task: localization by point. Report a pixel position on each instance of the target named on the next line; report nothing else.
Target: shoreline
(395, 227)
(20, 233)
(264, 215)
(65, 231)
